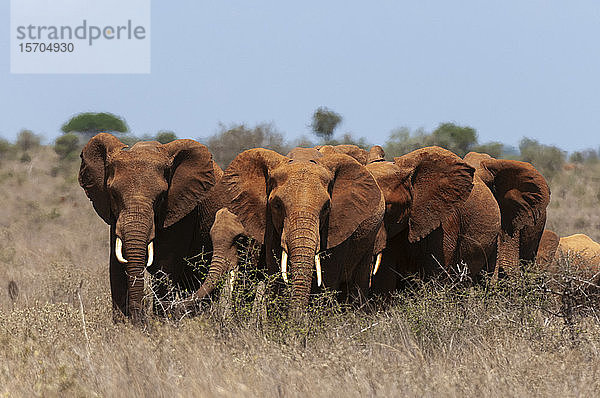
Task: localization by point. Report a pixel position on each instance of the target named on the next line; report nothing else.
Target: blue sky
(507, 68)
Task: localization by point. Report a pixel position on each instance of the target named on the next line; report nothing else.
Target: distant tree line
(229, 140)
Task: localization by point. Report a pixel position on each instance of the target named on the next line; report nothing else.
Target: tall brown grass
(58, 339)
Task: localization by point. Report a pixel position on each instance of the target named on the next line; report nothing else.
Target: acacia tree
(324, 123)
(90, 124)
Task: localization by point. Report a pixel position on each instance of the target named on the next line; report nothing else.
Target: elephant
(425, 192)
(158, 201)
(315, 214)
(440, 213)
(522, 196)
(581, 251)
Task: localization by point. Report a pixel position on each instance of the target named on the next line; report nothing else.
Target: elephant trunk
(508, 254)
(223, 233)
(137, 252)
(302, 243)
(220, 264)
(136, 255)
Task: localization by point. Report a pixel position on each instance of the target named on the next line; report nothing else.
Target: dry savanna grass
(530, 336)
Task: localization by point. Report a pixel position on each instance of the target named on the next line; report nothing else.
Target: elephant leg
(118, 283)
(118, 290)
(355, 281)
(383, 283)
(362, 279)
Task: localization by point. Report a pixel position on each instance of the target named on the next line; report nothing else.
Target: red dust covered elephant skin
(442, 211)
(158, 200)
(317, 215)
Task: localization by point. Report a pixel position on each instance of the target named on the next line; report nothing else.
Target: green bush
(6, 148)
(349, 139)
(548, 159)
(458, 139)
(586, 156)
(165, 136)
(226, 144)
(494, 149)
(130, 139)
(67, 146)
(402, 141)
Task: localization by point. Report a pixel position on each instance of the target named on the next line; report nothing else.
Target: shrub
(548, 159)
(165, 136)
(5, 148)
(494, 149)
(458, 139)
(403, 141)
(226, 144)
(67, 146)
(585, 156)
(348, 139)
(27, 140)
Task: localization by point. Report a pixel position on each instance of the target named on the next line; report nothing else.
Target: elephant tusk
(232, 276)
(119, 250)
(150, 254)
(284, 266)
(377, 263)
(318, 267)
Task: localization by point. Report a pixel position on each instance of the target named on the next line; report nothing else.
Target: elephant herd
(331, 216)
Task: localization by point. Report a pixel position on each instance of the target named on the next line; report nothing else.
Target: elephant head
(140, 190)
(522, 195)
(421, 189)
(297, 206)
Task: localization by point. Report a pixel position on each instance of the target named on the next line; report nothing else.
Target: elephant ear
(354, 197)
(192, 176)
(392, 181)
(245, 186)
(440, 181)
(520, 190)
(92, 173)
